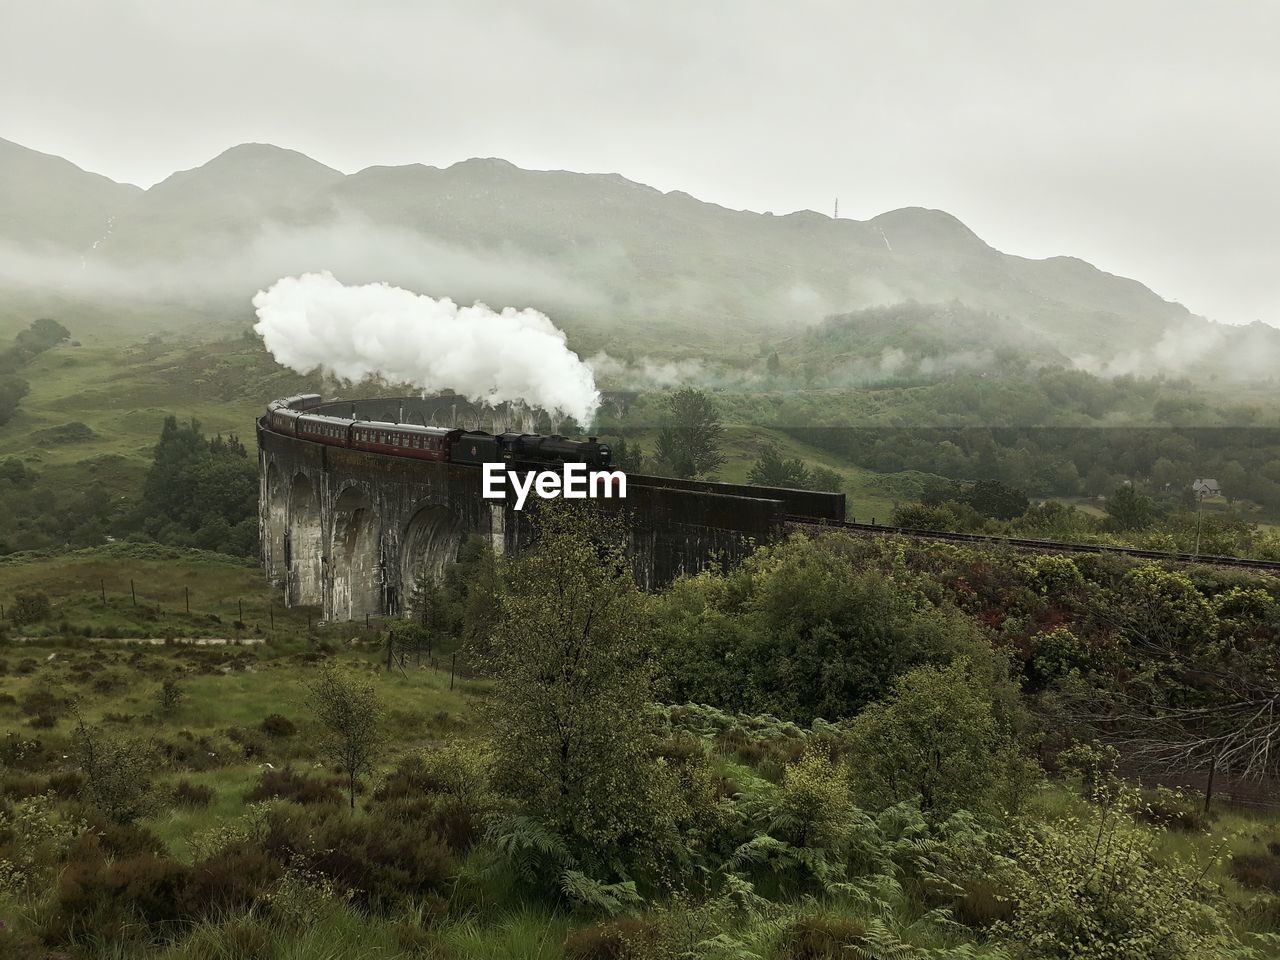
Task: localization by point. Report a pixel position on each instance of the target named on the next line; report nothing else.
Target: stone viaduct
(352, 532)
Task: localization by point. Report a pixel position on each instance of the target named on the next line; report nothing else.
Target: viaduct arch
(352, 532)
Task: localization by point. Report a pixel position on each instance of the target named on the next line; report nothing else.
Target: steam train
(295, 417)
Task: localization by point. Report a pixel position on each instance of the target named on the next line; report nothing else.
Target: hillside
(593, 250)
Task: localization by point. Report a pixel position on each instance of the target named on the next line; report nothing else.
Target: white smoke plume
(647, 372)
(314, 322)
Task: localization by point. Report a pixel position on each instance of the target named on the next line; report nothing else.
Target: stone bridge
(352, 532)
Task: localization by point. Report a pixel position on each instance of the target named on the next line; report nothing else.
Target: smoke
(353, 332)
(647, 372)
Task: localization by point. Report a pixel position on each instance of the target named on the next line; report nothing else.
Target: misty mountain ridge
(605, 256)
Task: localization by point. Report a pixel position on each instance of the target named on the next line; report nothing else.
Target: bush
(384, 864)
(109, 898)
(40, 701)
(821, 938)
(1258, 871)
(1173, 809)
(30, 608)
(169, 695)
(149, 894)
(1095, 890)
(296, 787)
(188, 794)
(445, 791)
(936, 738)
(117, 773)
(623, 939)
(277, 725)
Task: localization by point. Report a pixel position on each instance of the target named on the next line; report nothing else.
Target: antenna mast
(836, 215)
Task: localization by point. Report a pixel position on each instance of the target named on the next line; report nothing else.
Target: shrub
(1259, 871)
(169, 695)
(188, 794)
(1095, 889)
(30, 607)
(821, 938)
(1173, 809)
(109, 898)
(104, 838)
(301, 897)
(383, 863)
(43, 721)
(117, 773)
(278, 725)
(626, 938)
(446, 791)
(148, 894)
(33, 837)
(296, 787)
(67, 785)
(40, 701)
(936, 738)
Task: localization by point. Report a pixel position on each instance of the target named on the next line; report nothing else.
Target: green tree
(200, 492)
(117, 772)
(30, 607)
(1098, 887)
(12, 390)
(1129, 509)
(349, 710)
(770, 470)
(991, 498)
(800, 630)
(689, 442)
(824, 478)
(936, 738)
(569, 715)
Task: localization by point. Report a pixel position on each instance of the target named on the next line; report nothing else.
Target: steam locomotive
(294, 417)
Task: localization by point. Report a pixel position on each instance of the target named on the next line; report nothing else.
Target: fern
(531, 849)
(608, 897)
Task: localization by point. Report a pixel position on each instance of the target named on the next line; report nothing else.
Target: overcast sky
(1141, 135)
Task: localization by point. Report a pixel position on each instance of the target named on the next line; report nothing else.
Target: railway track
(1039, 546)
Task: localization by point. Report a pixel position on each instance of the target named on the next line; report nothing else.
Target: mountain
(605, 256)
(50, 203)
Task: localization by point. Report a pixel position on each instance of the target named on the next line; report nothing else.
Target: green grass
(163, 580)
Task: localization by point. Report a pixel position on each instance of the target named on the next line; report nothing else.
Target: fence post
(133, 593)
(187, 592)
(102, 584)
(453, 668)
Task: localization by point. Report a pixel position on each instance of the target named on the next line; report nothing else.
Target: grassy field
(143, 590)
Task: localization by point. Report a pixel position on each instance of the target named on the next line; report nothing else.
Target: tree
(1129, 509)
(30, 607)
(117, 772)
(770, 470)
(568, 718)
(348, 708)
(628, 457)
(1098, 887)
(824, 478)
(991, 498)
(12, 390)
(200, 492)
(689, 441)
(935, 738)
(800, 630)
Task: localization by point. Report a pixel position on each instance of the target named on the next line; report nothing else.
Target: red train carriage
(402, 439)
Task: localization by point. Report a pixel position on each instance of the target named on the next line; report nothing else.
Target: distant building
(1206, 487)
